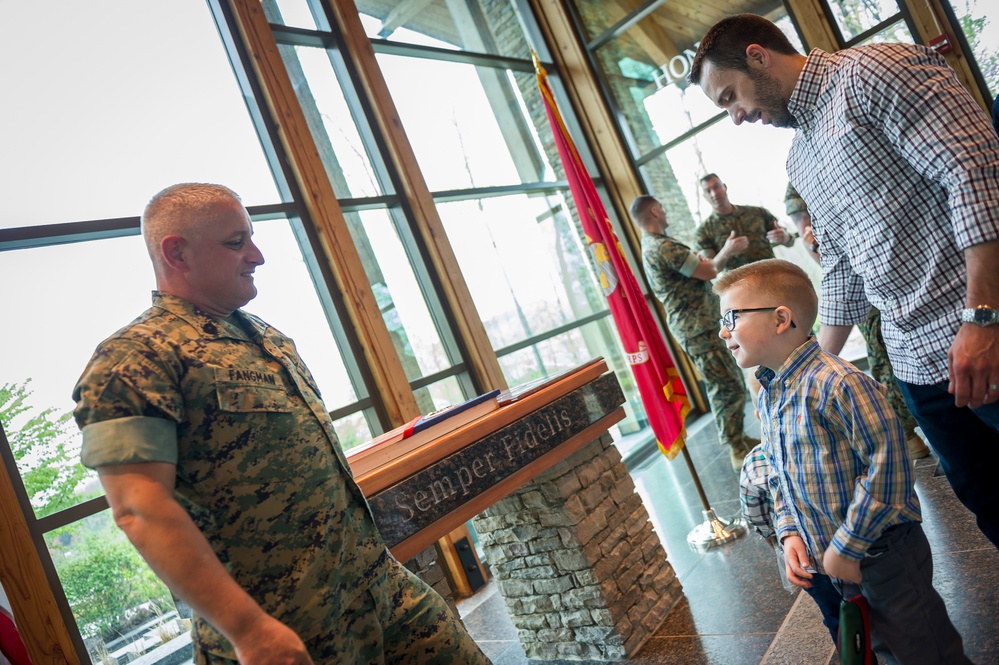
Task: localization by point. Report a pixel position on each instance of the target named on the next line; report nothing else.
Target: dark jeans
(827, 597)
(967, 442)
(909, 621)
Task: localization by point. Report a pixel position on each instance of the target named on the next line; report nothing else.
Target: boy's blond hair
(783, 282)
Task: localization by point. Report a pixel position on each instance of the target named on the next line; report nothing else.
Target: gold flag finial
(538, 69)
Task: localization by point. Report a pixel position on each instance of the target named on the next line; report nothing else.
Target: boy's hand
(796, 560)
(838, 566)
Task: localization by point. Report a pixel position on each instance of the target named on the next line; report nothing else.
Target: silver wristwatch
(983, 315)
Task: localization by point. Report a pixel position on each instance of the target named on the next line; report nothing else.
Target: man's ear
(173, 248)
(757, 57)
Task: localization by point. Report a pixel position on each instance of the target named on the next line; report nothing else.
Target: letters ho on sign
(676, 69)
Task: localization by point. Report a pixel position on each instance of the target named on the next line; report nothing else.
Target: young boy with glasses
(841, 477)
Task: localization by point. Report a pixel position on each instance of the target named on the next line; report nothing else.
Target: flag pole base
(715, 531)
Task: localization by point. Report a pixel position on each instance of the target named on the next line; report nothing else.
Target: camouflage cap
(793, 202)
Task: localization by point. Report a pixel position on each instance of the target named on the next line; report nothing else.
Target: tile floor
(735, 610)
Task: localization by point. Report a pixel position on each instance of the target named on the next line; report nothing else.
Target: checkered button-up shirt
(754, 493)
(900, 170)
(839, 470)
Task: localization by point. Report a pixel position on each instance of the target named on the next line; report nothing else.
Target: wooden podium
(424, 494)
(567, 538)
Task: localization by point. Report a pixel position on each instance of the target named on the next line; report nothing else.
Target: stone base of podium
(574, 555)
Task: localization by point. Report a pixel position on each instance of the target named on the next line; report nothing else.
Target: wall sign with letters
(676, 69)
(416, 502)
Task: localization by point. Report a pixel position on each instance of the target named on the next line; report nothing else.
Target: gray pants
(909, 622)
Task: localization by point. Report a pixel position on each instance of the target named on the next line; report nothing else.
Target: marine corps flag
(659, 384)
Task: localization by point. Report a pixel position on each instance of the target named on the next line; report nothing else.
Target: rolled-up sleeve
(129, 440)
(689, 264)
(127, 406)
(843, 301)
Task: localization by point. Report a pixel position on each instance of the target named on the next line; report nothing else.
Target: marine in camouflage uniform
(748, 221)
(880, 366)
(260, 472)
(796, 209)
(692, 311)
(752, 222)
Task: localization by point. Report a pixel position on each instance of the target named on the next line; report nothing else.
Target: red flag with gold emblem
(659, 384)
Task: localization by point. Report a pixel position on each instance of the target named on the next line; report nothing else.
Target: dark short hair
(709, 176)
(640, 206)
(726, 42)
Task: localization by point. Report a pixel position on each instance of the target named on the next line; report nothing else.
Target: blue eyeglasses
(727, 321)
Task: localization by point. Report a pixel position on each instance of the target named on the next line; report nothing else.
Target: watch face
(983, 316)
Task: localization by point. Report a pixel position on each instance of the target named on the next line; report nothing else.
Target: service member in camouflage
(880, 366)
(730, 221)
(877, 354)
(796, 209)
(679, 279)
(221, 465)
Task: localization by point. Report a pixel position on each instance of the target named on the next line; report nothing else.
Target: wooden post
(379, 352)
(414, 187)
(27, 587)
(813, 24)
(931, 22)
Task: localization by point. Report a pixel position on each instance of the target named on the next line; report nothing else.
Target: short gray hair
(180, 209)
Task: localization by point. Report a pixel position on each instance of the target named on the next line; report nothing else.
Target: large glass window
(526, 265)
(61, 302)
(462, 82)
(859, 21)
(123, 611)
(480, 134)
(349, 166)
(468, 125)
(854, 18)
(473, 25)
(379, 230)
(981, 30)
(643, 52)
(106, 105)
(122, 100)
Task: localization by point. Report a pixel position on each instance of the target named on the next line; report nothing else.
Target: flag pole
(714, 530)
(663, 393)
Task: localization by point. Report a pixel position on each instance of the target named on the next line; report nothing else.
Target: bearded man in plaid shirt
(899, 167)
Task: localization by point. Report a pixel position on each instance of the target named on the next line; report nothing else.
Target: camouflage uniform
(260, 471)
(748, 221)
(692, 311)
(792, 201)
(877, 360)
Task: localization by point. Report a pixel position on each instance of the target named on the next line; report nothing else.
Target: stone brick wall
(574, 554)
